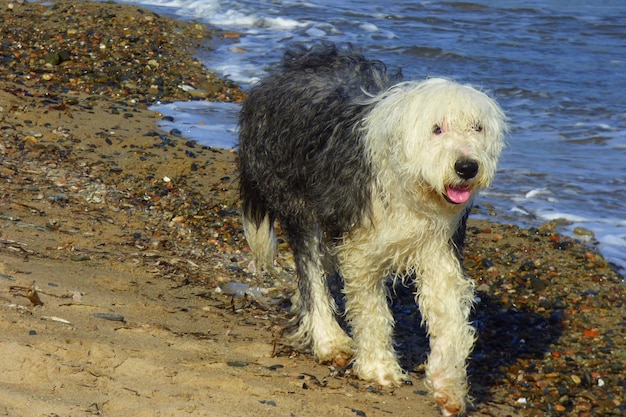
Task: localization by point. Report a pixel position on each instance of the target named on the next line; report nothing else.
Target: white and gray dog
(370, 177)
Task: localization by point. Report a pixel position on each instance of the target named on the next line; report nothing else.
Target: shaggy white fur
(413, 223)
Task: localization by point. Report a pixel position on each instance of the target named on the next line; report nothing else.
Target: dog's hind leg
(445, 298)
(313, 305)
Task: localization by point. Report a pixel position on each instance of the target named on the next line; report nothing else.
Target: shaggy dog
(369, 177)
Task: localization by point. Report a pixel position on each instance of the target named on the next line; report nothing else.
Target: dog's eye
(477, 127)
(437, 130)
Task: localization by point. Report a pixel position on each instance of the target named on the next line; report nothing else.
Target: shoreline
(108, 215)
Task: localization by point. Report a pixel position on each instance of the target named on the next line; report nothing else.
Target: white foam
(611, 240)
(548, 215)
(238, 19)
(520, 210)
(185, 8)
(537, 192)
(369, 27)
(602, 126)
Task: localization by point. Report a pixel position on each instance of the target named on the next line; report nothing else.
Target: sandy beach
(124, 274)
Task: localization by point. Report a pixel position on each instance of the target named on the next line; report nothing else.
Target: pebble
(63, 52)
(10, 217)
(237, 364)
(58, 197)
(31, 140)
(581, 231)
(109, 316)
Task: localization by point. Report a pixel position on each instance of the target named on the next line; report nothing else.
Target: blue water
(558, 68)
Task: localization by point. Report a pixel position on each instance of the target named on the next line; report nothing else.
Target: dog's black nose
(466, 169)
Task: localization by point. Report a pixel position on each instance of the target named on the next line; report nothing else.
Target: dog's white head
(434, 140)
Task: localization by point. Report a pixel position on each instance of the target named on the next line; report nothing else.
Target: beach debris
(59, 198)
(274, 367)
(7, 277)
(32, 292)
(57, 320)
(109, 316)
(241, 290)
(359, 413)
(80, 257)
(29, 292)
(77, 296)
(237, 364)
(16, 246)
(10, 217)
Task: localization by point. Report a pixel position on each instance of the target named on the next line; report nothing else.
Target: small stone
(31, 140)
(198, 94)
(231, 35)
(537, 284)
(237, 364)
(109, 316)
(581, 231)
(576, 379)
(52, 58)
(487, 263)
(177, 220)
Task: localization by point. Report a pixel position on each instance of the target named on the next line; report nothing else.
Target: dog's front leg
(445, 298)
(372, 324)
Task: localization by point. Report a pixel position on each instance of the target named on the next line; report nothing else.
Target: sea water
(558, 69)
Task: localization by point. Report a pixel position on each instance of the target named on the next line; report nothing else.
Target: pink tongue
(458, 195)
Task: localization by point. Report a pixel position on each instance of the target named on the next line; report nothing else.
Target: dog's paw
(337, 352)
(340, 359)
(387, 373)
(449, 405)
(449, 395)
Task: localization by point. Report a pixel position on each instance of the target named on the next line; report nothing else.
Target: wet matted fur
(371, 177)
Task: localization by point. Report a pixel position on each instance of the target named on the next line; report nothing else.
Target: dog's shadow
(506, 335)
